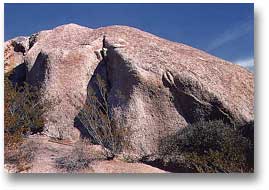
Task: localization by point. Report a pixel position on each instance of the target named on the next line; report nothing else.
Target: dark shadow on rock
(18, 75)
(18, 47)
(192, 109)
(100, 71)
(33, 40)
(169, 167)
(36, 76)
(118, 76)
(83, 131)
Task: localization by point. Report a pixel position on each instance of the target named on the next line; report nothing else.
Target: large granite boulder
(61, 66)
(164, 85)
(167, 85)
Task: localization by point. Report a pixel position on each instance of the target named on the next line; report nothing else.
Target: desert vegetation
(23, 115)
(205, 146)
(96, 118)
(22, 156)
(166, 87)
(24, 110)
(79, 158)
(208, 146)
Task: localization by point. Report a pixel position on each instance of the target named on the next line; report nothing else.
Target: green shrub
(207, 146)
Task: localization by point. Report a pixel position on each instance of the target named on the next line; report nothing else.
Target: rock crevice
(193, 108)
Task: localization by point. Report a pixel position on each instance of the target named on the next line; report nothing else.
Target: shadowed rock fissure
(39, 71)
(18, 75)
(18, 47)
(33, 40)
(107, 70)
(100, 71)
(191, 107)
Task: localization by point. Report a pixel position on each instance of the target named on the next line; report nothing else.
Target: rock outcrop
(61, 67)
(15, 50)
(164, 85)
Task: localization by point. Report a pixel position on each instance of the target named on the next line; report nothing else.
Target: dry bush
(78, 159)
(11, 138)
(96, 118)
(23, 156)
(23, 115)
(23, 111)
(207, 146)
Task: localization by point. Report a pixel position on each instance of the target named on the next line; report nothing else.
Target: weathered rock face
(14, 52)
(61, 67)
(168, 85)
(164, 85)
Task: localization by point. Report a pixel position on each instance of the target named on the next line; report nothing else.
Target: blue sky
(224, 30)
